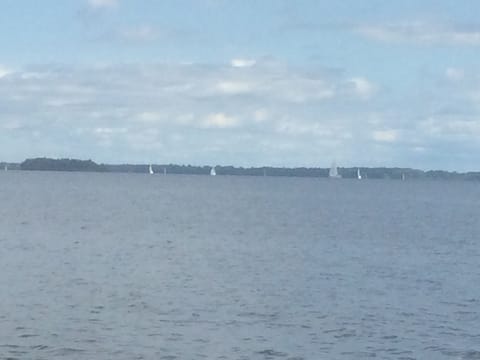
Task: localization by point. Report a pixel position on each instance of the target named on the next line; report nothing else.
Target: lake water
(131, 266)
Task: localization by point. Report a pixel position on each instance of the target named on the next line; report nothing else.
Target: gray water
(125, 266)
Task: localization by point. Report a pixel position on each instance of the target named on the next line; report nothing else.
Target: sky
(242, 82)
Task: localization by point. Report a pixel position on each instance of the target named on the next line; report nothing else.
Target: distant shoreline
(46, 164)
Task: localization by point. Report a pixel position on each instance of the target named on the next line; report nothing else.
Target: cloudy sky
(242, 82)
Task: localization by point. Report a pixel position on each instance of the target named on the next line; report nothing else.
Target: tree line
(346, 172)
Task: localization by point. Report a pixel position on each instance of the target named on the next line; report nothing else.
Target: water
(131, 266)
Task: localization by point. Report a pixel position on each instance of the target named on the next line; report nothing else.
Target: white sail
(359, 176)
(212, 171)
(333, 172)
(165, 171)
(150, 170)
(403, 176)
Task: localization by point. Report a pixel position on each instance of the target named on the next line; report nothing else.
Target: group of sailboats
(151, 172)
(333, 172)
(213, 172)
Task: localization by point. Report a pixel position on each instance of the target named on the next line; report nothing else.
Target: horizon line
(244, 167)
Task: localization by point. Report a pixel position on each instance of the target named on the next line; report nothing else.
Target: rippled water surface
(125, 266)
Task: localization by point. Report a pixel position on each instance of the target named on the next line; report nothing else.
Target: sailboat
(403, 176)
(6, 167)
(150, 170)
(333, 172)
(212, 171)
(359, 176)
(164, 171)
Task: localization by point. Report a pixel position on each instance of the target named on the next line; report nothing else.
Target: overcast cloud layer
(130, 82)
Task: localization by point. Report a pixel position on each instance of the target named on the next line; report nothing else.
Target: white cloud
(105, 136)
(274, 82)
(11, 125)
(108, 130)
(150, 116)
(4, 71)
(422, 33)
(219, 120)
(290, 117)
(185, 119)
(419, 149)
(464, 127)
(234, 87)
(362, 87)
(63, 102)
(241, 63)
(139, 33)
(298, 88)
(261, 115)
(454, 74)
(430, 126)
(146, 140)
(99, 4)
(475, 96)
(385, 135)
(33, 75)
(296, 127)
(451, 127)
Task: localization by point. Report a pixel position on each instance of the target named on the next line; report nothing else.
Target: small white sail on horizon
(359, 176)
(212, 171)
(164, 171)
(333, 172)
(150, 170)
